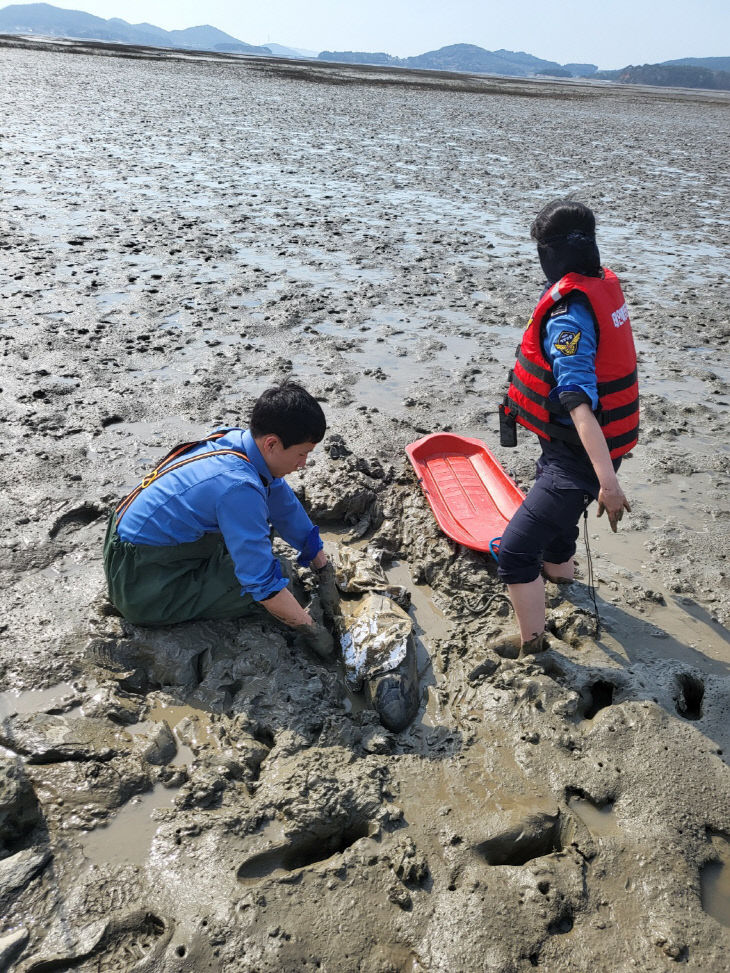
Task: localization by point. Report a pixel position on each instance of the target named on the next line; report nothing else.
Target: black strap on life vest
(617, 384)
(606, 416)
(168, 464)
(553, 407)
(553, 430)
(537, 371)
(568, 434)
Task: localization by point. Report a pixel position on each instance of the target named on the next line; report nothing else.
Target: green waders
(165, 585)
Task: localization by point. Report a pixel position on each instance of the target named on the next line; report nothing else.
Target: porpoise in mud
(376, 636)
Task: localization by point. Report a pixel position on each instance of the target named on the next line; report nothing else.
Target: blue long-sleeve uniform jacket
(226, 495)
(570, 346)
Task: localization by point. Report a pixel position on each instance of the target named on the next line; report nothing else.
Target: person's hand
(317, 638)
(319, 560)
(612, 500)
(329, 596)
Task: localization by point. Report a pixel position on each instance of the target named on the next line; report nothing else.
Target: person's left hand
(611, 499)
(329, 596)
(319, 561)
(317, 638)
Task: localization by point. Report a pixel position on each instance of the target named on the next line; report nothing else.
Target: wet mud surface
(177, 232)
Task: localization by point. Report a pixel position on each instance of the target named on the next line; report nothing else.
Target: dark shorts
(165, 585)
(545, 528)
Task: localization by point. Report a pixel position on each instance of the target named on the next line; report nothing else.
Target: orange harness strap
(165, 467)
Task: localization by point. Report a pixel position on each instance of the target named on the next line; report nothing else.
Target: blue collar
(254, 454)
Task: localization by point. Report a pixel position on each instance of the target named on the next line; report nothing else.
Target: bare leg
(528, 601)
(559, 572)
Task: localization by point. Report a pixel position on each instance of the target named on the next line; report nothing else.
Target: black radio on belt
(507, 425)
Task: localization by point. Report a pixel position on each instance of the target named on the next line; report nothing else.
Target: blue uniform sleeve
(292, 523)
(570, 345)
(243, 519)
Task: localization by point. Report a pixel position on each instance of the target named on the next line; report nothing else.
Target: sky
(611, 34)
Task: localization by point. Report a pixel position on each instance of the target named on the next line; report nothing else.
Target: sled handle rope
(591, 579)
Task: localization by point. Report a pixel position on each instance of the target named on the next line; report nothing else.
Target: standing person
(575, 385)
(192, 541)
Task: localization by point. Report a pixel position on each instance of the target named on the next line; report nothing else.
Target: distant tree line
(669, 76)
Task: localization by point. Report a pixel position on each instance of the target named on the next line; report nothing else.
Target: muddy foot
(534, 646)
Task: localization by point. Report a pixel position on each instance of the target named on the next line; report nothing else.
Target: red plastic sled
(470, 494)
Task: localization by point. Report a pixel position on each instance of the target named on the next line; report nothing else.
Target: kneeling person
(193, 540)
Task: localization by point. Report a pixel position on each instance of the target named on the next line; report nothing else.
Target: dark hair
(290, 412)
(565, 233)
(561, 217)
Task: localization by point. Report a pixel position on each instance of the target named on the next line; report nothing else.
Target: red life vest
(532, 379)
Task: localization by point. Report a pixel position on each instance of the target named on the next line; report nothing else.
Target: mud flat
(179, 231)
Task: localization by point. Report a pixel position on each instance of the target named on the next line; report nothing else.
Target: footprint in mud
(597, 696)
(562, 925)
(523, 839)
(134, 943)
(81, 516)
(597, 816)
(299, 852)
(715, 880)
(689, 696)
(507, 647)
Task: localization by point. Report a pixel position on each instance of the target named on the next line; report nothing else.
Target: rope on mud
(474, 602)
(591, 580)
(479, 602)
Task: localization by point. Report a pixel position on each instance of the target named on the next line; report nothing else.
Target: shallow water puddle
(126, 840)
(35, 700)
(325, 269)
(687, 631)
(429, 623)
(430, 620)
(128, 836)
(599, 819)
(111, 299)
(396, 355)
(715, 882)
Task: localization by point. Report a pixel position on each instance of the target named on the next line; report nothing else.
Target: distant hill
(50, 21)
(360, 57)
(669, 76)
(281, 50)
(581, 70)
(463, 57)
(711, 63)
(469, 57)
(687, 73)
(46, 20)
